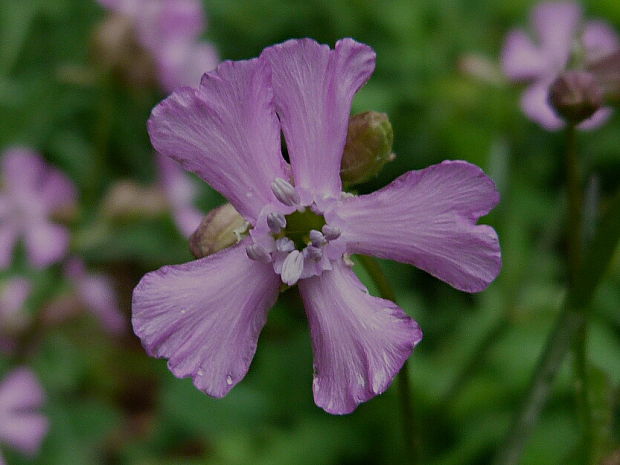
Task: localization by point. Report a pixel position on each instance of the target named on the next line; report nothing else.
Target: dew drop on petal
(229, 380)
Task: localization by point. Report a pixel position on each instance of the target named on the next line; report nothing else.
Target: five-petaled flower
(205, 316)
(31, 192)
(22, 427)
(558, 28)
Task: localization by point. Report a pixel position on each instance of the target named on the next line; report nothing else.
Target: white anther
(276, 222)
(258, 252)
(284, 244)
(292, 267)
(331, 233)
(285, 192)
(317, 238)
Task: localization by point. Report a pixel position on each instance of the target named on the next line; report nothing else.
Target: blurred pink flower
(180, 192)
(170, 30)
(557, 28)
(31, 191)
(96, 293)
(22, 427)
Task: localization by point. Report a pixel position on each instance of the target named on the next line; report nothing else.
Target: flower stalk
(574, 258)
(570, 329)
(386, 291)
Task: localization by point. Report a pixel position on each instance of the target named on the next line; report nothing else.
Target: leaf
(598, 256)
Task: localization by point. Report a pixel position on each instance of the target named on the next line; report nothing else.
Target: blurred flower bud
(368, 147)
(116, 49)
(607, 73)
(221, 228)
(575, 96)
(480, 68)
(126, 200)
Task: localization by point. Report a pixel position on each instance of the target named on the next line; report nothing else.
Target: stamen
(276, 221)
(313, 253)
(331, 233)
(285, 192)
(292, 267)
(317, 238)
(284, 244)
(258, 252)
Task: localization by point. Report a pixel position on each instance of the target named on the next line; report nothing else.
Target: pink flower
(22, 427)
(180, 192)
(206, 316)
(31, 191)
(556, 26)
(96, 292)
(169, 30)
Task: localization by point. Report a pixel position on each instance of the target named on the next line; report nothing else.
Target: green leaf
(598, 257)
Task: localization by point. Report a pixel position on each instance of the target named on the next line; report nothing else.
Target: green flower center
(298, 227)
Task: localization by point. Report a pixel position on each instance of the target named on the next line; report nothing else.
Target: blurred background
(439, 79)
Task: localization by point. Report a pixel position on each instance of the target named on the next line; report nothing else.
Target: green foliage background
(111, 404)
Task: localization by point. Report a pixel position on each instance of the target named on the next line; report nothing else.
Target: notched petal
(205, 316)
(360, 342)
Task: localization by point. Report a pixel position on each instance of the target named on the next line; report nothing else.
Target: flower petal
(359, 341)
(181, 18)
(181, 192)
(205, 316)
(313, 88)
(38, 187)
(22, 170)
(20, 426)
(427, 218)
(25, 431)
(46, 243)
(99, 296)
(521, 59)
(599, 40)
(182, 63)
(555, 24)
(535, 105)
(56, 191)
(596, 120)
(226, 132)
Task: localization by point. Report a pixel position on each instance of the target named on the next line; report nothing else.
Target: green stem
(574, 252)
(575, 207)
(570, 328)
(387, 292)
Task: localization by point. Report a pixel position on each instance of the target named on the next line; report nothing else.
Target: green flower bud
(116, 49)
(368, 147)
(220, 229)
(575, 96)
